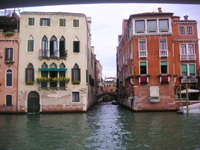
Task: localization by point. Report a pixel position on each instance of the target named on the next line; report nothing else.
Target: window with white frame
(75, 23)
(152, 25)
(143, 68)
(142, 48)
(44, 21)
(139, 26)
(9, 77)
(75, 97)
(62, 22)
(181, 30)
(188, 69)
(187, 49)
(189, 30)
(163, 25)
(30, 45)
(9, 54)
(31, 21)
(8, 100)
(163, 43)
(29, 74)
(163, 67)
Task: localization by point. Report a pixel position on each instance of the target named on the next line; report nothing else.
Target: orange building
(9, 46)
(157, 53)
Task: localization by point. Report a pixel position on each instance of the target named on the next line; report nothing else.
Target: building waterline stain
(104, 127)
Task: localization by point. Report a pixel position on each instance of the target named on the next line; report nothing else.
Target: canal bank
(103, 127)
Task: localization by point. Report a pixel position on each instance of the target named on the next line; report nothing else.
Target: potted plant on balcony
(75, 82)
(29, 82)
(9, 62)
(8, 34)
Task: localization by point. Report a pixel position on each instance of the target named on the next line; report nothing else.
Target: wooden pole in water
(187, 98)
(180, 98)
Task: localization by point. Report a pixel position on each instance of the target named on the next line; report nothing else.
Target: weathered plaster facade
(60, 33)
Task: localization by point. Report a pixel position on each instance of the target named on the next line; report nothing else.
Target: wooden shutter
(6, 54)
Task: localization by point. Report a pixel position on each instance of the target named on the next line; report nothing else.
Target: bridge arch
(113, 95)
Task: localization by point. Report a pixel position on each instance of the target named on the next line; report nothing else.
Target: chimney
(159, 9)
(186, 17)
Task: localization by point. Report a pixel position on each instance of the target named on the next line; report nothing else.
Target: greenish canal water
(104, 127)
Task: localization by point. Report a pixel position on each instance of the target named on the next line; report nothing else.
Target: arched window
(62, 47)
(29, 77)
(53, 74)
(62, 65)
(30, 47)
(44, 74)
(44, 47)
(53, 65)
(53, 47)
(76, 45)
(9, 77)
(44, 65)
(76, 73)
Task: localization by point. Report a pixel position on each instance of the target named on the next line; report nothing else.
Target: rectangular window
(62, 74)
(76, 46)
(44, 21)
(191, 70)
(29, 75)
(163, 67)
(184, 69)
(142, 44)
(164, 25)
(31, 21)
(76, 74)
(75, 97)
(53, 75)
(181, 30)
(151, 25)
(45, 75)
(191, 49)
(188, 69)
(142, 48)
(30, 45)
(139, 26)
(143, 68)
(8, 54)
(9, 78)
(62, 22)
(183, 49)
(8, 100)
(75, 23)
(189, 30)
(163, 43)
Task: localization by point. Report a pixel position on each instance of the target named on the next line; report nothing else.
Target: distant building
(9, 49)
(109, 85)
(157, 52)
(99, 80)
(56, 62)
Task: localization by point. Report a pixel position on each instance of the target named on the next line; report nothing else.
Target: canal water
(104, 127)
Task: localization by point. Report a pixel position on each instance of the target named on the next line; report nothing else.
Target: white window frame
(142, 53)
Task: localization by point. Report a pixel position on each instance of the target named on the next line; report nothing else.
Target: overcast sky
(107, 24)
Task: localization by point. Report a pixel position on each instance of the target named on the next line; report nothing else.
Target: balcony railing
(142, 53)
(189, 79)
(187, 57)
(54, 54)
(163, 52)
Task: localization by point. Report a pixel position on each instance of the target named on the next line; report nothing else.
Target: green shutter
(163, 63)
(72, 74)
(30, 45)
(48, 22)
(40, 21)
(26, 75)
(184, 68)
(192, 69)
(79, 74)
(142, 63)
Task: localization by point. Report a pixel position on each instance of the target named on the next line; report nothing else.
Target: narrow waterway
(104, 127)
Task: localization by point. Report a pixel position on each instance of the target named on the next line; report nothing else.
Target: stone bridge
(113, 95)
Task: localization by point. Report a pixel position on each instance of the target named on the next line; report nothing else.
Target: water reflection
(104, 127)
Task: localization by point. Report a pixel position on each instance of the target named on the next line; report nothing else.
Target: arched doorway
(33, 104)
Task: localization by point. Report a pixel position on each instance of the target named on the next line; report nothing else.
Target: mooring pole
(180, 98)
(187, 98)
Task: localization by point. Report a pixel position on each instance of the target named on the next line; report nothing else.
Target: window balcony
(189, 79)
(143, 79)
(164, 78)
(184, 57)
(163, 52)
(142, 54)
(56, 54)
